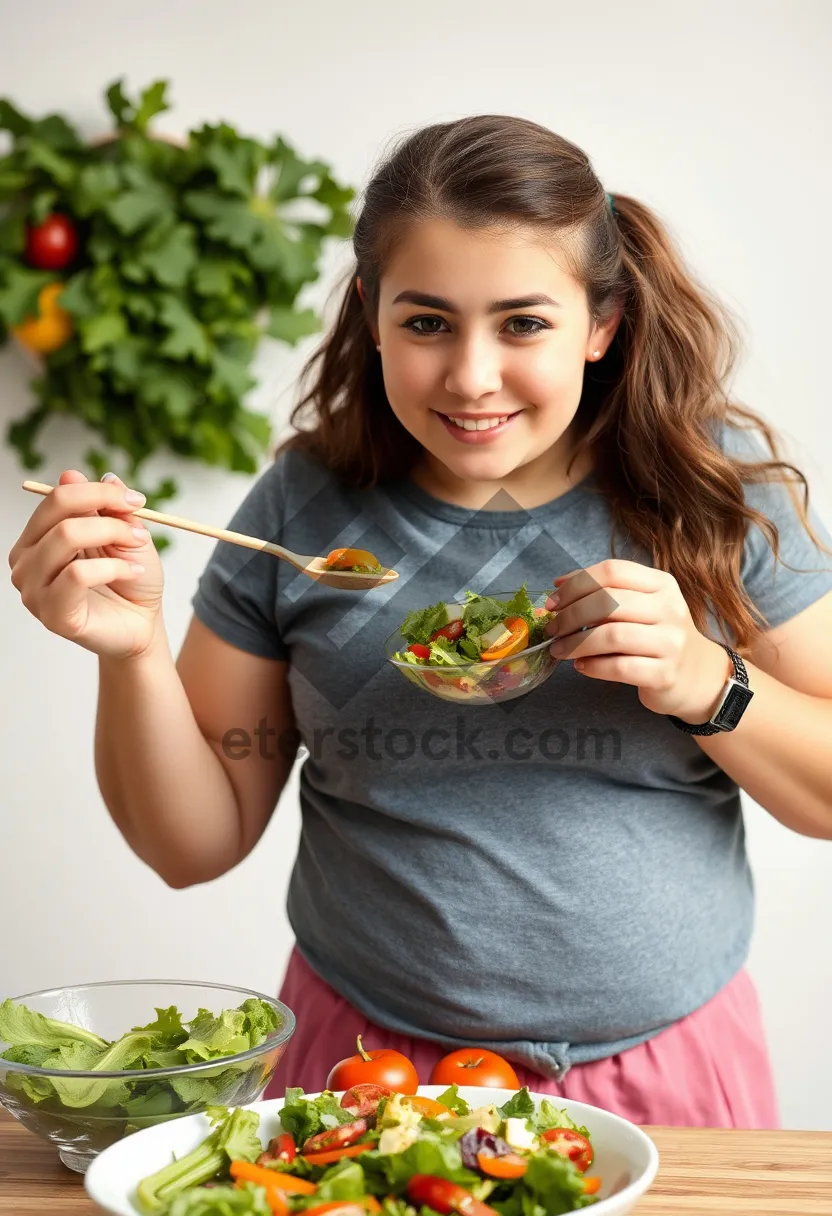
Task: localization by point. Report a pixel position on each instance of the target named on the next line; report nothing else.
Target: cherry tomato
(421, 652)
(452, 630)
(52, 244)
(51, 328)
(445, 1197)
(381, 1067)
(281, 1148)
(363, 1100)
(336, 1137)
(572, 1145)
(474, 1066)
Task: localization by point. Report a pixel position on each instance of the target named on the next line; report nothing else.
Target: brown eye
(428, 323)
(532, 325)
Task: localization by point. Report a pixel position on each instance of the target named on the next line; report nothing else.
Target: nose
(474, 369)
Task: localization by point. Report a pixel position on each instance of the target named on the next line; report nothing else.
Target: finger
(39, 566)
(599, 606)
(63, 606)
(612, 573)
(77, 498)
(625, 669)
(614, 638)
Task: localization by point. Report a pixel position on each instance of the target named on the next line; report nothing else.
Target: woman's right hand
(74, 565)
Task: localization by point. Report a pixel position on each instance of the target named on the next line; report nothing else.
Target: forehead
(473, 266)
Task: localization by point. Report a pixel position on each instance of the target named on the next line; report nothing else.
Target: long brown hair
(651, 410)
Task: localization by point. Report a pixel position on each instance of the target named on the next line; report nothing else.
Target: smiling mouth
(484, 423)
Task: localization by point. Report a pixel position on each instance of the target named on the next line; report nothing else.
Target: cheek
(547, 377)
(409, 377)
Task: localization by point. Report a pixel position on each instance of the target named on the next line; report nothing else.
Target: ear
(602, 333)
(359, 287)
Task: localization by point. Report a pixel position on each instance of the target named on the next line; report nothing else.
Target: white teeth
(479, 424)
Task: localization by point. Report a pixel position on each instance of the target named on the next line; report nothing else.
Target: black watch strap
(733, 701)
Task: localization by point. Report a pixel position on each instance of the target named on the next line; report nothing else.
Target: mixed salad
(445, 636)
(166, 1042)
(377, 1151)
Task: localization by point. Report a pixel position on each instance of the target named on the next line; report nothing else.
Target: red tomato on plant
(382, 1067)
(52, 244)
(474, 1066)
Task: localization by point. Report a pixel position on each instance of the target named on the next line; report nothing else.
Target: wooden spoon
(313, 567)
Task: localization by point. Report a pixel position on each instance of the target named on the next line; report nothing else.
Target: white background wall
(715, 113)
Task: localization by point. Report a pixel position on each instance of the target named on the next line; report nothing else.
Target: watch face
(733, 707)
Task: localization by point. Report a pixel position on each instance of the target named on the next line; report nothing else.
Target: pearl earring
(378, 348)
(596, 354)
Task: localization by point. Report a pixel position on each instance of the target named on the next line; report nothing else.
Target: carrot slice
(336, 1154)
(591, 1185)
(271, 1178)
(509, 1166)
(519, 640)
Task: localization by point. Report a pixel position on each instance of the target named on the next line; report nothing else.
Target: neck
(530, 485)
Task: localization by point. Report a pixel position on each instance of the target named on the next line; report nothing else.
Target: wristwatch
(732, 703)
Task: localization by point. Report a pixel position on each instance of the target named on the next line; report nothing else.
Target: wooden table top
(701, 1172)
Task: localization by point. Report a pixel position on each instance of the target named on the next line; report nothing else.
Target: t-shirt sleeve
(780, 588)
(237, 592)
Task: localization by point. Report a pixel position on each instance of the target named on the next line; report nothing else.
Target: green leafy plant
(142, 273)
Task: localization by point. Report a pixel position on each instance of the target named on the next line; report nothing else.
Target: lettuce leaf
(452, 1100)
(22, 1027)
(549, 1116)
(248, 1200)
(555, 1183)
(430, 1154)
(305, 1117)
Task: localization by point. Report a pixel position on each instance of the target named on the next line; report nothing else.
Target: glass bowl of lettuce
(84, 1066)
(477, 649)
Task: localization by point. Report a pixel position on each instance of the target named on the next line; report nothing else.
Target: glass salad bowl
(481, 681)
(84, 1066)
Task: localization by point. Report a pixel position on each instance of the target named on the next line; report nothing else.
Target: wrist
(712, 668)
(157, 653)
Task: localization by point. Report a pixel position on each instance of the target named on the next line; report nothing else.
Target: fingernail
(109, 477)
(134, 498)
(140, 532)
(552, 601)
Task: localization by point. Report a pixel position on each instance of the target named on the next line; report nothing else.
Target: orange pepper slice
(519, 640)
(336, 1154)
(510, 1166)
(344, 559)
(271, 1179)
(591, 1185)
(429, 1107)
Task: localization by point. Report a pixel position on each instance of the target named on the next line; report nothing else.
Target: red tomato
(281, 1148)
(446, 1197)
(474, 1066)
(572, 1145)
(421, 652)
(363, 1100)
(336, 1137)
(52, 244)
(452, 630)
(382, 1067)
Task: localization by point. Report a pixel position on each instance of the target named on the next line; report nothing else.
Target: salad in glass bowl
(478, 649)
(376, 1151)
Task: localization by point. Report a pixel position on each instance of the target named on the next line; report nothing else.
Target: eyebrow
(443, 305)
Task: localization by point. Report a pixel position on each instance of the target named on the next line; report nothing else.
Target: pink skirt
(710, 1069)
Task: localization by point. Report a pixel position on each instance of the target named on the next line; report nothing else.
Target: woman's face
(483, 329)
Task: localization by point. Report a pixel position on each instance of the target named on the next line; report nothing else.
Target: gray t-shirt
(558, 877)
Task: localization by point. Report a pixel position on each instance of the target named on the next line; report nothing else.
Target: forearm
(780, 754)
(164, 785)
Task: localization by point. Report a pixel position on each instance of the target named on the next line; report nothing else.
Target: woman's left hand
(640, 632)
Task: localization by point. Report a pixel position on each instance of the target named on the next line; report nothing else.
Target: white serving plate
(625, 1158)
